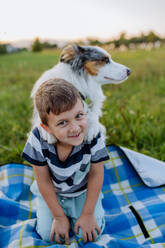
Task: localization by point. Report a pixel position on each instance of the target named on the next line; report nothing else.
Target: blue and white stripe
(69, 176)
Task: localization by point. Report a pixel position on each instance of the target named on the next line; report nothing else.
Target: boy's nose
(74, 128)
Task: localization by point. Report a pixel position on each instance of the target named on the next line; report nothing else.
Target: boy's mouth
(75, 136)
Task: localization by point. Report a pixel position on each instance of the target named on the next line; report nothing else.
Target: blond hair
(56, 96)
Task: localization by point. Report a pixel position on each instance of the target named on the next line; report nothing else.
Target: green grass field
(133, 113)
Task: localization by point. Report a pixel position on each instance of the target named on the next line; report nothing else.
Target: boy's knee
(44, 232)
(101, 224)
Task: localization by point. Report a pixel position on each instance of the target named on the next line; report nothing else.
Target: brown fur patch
(68, 53)
(92, 67)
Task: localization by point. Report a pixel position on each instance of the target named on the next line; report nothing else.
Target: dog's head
(94, 62)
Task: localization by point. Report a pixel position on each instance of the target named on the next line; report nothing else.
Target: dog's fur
(87, 68)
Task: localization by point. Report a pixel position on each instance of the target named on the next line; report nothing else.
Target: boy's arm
(87, 221)
(95, 182)
(46, 189)
(60, 225)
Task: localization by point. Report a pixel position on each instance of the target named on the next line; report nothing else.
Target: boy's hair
(55, 95)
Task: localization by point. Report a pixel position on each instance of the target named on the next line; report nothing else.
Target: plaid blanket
(135, 213)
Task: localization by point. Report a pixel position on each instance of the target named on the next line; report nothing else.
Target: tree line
(149, 38)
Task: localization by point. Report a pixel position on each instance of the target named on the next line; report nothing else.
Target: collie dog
(87, 68)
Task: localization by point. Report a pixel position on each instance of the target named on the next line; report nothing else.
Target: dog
(87, 68)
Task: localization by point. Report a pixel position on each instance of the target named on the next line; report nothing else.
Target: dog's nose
(128, 72)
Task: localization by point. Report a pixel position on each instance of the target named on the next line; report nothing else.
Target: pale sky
(74, 19)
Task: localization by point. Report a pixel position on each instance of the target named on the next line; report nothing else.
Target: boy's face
(68, 127)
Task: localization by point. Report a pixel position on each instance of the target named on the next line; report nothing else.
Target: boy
(69, 173)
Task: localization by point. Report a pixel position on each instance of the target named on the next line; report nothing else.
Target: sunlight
(21, 19)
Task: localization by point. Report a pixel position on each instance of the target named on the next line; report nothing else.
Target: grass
(133, 113)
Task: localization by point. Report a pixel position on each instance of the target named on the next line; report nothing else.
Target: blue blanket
(134, 212)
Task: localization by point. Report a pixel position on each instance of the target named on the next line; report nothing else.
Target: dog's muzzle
(128, 72)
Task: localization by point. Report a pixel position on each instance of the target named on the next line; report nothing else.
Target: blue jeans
(72, 207)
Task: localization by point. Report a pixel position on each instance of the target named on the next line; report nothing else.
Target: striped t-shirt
(70, 176)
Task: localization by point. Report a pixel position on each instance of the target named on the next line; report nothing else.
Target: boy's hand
(88, 224)
(60, 228)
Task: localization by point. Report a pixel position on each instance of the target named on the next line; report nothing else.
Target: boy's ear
(45, 127)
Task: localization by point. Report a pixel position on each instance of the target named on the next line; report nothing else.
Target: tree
(3, 49)
(48, 45)
(152, 37)
(36, 46)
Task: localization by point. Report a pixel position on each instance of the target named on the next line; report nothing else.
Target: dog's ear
(67, 53)
(70, 52)
(78, 49)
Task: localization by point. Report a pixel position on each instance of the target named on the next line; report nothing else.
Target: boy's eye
(80, 115)
(62, 123)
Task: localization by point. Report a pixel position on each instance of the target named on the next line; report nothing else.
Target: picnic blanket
(134, 204)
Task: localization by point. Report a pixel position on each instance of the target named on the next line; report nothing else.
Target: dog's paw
(92, 131)
(90, 135)
(94, 126)
(46, 136)
(102, 130)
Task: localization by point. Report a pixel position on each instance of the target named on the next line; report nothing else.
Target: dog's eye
(107, 60)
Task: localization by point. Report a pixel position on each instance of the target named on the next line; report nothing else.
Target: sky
(79, 19)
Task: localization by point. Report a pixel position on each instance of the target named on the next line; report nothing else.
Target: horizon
(128, 36)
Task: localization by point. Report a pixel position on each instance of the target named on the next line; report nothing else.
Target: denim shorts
(72, 207)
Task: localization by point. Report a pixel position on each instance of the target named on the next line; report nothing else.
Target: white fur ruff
(89, 86)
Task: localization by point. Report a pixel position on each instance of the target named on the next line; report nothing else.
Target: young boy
(69, 173)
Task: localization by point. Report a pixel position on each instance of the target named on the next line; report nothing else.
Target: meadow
(133, 113)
